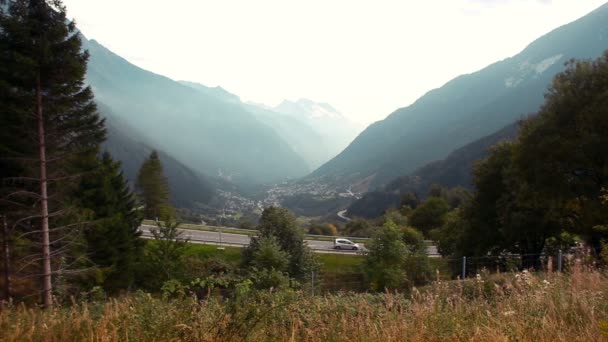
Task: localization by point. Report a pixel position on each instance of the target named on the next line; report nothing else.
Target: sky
(365, 58)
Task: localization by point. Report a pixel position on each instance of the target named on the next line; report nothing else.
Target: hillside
(206, 134)
(453, 171)
(187, 187)
(303, 139)
(466, 108)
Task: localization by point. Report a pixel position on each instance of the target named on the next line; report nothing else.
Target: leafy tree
(49, 121)
(359, 228)
(436, 191)
(269, 255)
(449, 235)
(562, 151)
(112, 239)
(165, 253)
(409, 200)
(548, 184)
(153, 187)
(269, 265)
(385, 261)
(280, 225)
(414, 240)
(323, 229)
(393, 215)
(457, 197)
(430, 214)
(503, 216)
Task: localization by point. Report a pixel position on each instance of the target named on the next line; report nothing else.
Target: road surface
(342, 215)
(240, 240)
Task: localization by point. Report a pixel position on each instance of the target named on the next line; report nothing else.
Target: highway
(241, 240)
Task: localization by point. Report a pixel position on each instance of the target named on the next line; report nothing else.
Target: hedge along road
(242, 240)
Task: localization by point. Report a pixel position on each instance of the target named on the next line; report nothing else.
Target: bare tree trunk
(7, 263)
(44, 206)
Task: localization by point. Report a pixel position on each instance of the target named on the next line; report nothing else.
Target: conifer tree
(49, 123)
(153, 187)
(112, 239)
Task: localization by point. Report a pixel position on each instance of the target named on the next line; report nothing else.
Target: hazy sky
(366, 58)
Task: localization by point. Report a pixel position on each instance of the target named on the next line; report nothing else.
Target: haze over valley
(224, 155)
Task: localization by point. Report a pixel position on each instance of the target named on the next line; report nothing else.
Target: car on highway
(346, 244)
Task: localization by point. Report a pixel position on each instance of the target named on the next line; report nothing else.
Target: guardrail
(147, 235)
(236, 230)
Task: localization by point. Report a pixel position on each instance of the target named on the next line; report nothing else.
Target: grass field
(230, 254)
(508, 307)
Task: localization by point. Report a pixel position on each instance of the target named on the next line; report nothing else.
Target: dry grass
(509, 307)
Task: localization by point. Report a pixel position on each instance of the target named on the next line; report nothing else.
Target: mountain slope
(301, 138)
(467, 107)
(204, 133)
(187, 187)
(453, 171)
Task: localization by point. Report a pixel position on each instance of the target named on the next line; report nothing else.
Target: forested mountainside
(453, 171)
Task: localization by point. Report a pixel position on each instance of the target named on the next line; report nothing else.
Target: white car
(346, 244)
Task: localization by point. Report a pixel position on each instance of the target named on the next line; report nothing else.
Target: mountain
(217, 92)
(466, 108)
(309, 144)
(208, 135)
(453, 171)
(336, 129)
(187, 187)
(456, 169)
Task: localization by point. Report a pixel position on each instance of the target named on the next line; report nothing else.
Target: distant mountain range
(336, 130)
(204, 132)
(206, 135)
(305, 129)
(465, 109)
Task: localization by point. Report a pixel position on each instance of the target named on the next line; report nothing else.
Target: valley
(286, 171)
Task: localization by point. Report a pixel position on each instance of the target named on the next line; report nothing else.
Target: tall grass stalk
(507, 307)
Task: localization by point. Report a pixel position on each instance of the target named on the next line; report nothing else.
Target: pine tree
(153, 187)
(49, 119)
(112, 239)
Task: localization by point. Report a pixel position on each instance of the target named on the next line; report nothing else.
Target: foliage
(546, 186)
(358, 228)
(429, 215)
(414, 240)
(323, 229)
(566, 144)
(51, 132)
(507, 307)
(394, 216)
(385, 260)
(280, 225)
(153, 188)
(112, 239)
(269, 255)
(165, 256)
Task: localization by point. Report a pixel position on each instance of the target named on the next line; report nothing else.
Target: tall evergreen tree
(153, 187)
(49, 121)
(112, 239)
